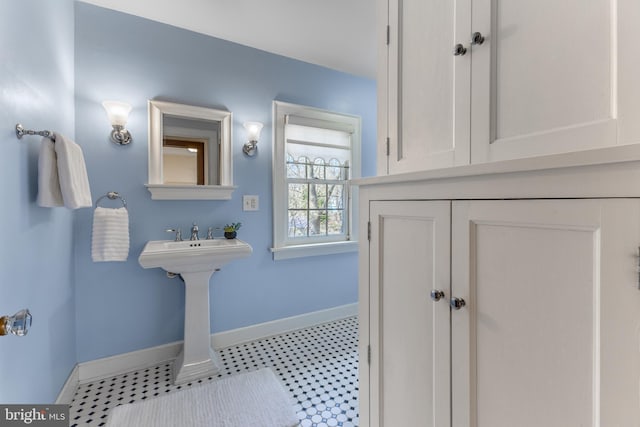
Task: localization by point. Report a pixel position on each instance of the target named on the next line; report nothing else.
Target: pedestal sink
(195, 261)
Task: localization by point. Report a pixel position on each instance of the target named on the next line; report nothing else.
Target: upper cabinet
(504, 80)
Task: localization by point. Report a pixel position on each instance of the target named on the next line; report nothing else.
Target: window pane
(295, 170)
(306, 163)
(317, 196)
(336, 199)
(318, 169)
(335, 222)
(317, 223)
(298, 196)
(297, 223)
(334, 171)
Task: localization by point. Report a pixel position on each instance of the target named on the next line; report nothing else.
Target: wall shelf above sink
(190, 192)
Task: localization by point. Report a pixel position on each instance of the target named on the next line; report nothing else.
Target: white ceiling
(338, 34)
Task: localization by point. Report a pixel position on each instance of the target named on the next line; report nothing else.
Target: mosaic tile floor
(318, 366)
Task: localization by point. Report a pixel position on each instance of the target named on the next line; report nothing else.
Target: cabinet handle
(459, 50)
(437, 295)
(477, 38)
(457, 303)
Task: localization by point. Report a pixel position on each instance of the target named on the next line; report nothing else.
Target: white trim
(620, 154)
(125, 362)
(69, 388)
(109, 366)
(281, 326)
(300, 251)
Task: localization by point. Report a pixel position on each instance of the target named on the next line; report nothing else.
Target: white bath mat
(252, 399)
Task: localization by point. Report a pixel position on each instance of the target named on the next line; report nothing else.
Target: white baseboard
(69, 387)
(281, 326)
(109, 366)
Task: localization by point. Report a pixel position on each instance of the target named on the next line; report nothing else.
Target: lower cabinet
(503, 313)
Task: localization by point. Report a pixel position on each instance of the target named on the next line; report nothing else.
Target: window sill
(315, 249)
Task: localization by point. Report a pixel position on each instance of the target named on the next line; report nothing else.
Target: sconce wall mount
(250, 148)
(120, 135)
(118, 113)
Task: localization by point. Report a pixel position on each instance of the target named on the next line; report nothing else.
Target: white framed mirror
(190, 152)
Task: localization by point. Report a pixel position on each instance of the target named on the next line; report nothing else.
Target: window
(316, 153)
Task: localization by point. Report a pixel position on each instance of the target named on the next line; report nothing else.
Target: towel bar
(21, 131)
(112, 195)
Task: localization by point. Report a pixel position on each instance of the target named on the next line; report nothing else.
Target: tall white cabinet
(471, 82)
(499, 283)
(503, 295)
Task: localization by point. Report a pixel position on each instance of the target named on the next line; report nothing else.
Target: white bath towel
(72, 172)
(110, 235)
(49, 195)
(252, 399)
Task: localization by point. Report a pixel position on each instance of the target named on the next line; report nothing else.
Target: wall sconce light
(18, 324)
(250, 148)
(118, 113)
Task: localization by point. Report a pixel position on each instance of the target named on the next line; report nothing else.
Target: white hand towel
(49, 195)
(74, 182)
(110, 235)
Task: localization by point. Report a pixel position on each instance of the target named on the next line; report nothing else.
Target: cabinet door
(549, 333)
(409, 332)
(424, 87)
(545, 79)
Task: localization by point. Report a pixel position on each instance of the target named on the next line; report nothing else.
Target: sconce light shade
(253, 135)
(118, 113)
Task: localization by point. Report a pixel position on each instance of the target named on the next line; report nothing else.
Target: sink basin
(195, 261)
(192, 255)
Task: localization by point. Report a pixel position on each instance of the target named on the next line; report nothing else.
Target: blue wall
(122, 307)
(36, 255)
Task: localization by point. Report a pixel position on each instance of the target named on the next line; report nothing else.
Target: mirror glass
(189, 152)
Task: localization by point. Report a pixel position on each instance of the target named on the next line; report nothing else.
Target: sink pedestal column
(197, 359)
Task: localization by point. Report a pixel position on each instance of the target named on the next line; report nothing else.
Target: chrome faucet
(194, 232)
(178, 233)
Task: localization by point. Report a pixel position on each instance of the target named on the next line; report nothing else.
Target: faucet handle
(194, 232)
(178, 232)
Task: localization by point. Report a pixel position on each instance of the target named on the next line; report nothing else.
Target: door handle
(459, 50)
(457, 303)
(477, 38)
(437, 295)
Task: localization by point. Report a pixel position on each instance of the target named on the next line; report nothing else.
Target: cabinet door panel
(529, 347)
(428, 123)
(543, 81)
(409, 257)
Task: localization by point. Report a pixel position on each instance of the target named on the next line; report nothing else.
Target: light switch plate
(250, 203)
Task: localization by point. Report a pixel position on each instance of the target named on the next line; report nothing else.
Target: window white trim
(299, 251)
(312, 116)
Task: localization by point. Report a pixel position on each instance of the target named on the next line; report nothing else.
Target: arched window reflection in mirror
(189, 152)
